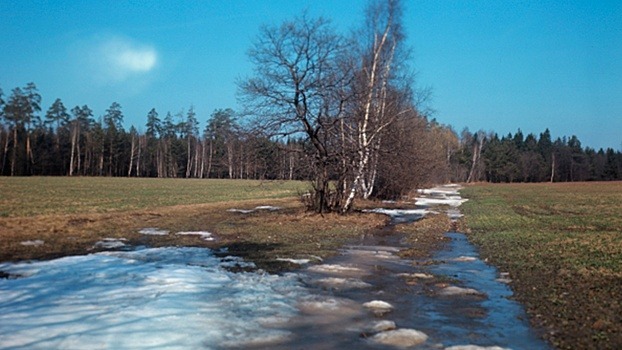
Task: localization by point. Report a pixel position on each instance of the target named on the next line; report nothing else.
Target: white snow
(398, 212)
(248, 211)
(382, 326)
(336, 269)
(453, 291)
(110, 243)
(401, 338)
(34, 243)
(452, 202)
(153, 231)
(342, 283)
(294, 261)
(206, 236)
(173, 298)
(378, 305)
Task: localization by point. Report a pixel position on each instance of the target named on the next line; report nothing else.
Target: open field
(562, 244)
(28, 196)
(71, 214)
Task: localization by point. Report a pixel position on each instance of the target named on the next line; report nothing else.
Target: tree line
(336, 109)
(531, 158)
(75, 143)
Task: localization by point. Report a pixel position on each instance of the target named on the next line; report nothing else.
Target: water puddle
(368, 297)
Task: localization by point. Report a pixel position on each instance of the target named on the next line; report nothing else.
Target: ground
(562, 245)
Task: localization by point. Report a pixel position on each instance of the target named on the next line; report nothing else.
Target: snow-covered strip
(294, 261)
(33, 243)
(336, 269)
(342, 283)
(248, 211)
(206, 236)
(110, 243)
(173, 298)
(153, 231)
(400, 338)
(452, 202)
(267, 207)
(398, 212)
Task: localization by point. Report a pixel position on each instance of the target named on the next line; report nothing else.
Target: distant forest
(74, 143)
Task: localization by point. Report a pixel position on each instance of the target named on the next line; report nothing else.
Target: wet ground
(368, 297)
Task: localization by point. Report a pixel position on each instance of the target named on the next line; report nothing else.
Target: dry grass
(562, 244)
(84, 217)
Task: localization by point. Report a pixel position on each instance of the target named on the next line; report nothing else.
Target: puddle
(368, 297)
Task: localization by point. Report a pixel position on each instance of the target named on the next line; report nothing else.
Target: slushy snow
(173, 298)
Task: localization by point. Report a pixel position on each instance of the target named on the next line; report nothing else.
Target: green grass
(28, 196)
(562, 244)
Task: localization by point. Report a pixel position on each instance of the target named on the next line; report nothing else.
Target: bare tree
(383, 38)
(296, 89)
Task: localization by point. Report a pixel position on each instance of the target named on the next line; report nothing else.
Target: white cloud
(118, 59)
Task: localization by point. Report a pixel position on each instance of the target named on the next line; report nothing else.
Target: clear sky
(491, 65)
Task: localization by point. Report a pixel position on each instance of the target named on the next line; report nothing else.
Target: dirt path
(369, 297)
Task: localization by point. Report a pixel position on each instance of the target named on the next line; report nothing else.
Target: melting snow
(378, 305)
(153, 231)
(206, 236)
(34, 243)
(475, 347)
(180, 298)
(248, 211)
(402, 338)
(110, 243)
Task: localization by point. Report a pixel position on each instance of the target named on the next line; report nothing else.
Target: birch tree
(382, 39)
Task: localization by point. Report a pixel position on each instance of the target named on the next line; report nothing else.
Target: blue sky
(492, 65)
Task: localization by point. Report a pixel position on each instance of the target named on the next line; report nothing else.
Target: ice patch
(248, 211)
(465, 259)
(342, 283)
(151, 298)
(110, 243)
(382, 326)
(295, 261)
(206, 236)
(34, 243)
(453, 290)
(378, 304)
(452, 202)
(398, 212)
(336, 269)
(402, 338)
(153, 231)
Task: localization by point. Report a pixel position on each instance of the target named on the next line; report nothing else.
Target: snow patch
(206, 236)
(382, 326)
(336, 269)
(110, 243)
(34, 243)
(452, 202)
(295, 261)
(378, 305)
(143, 299)
(402, 338)
(154, 231)
(465, 259)
(453, 291)
(248, 211)
(342, 283)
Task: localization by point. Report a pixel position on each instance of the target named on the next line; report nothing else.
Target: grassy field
(562, 244)
(27, 196)
(71, 214)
